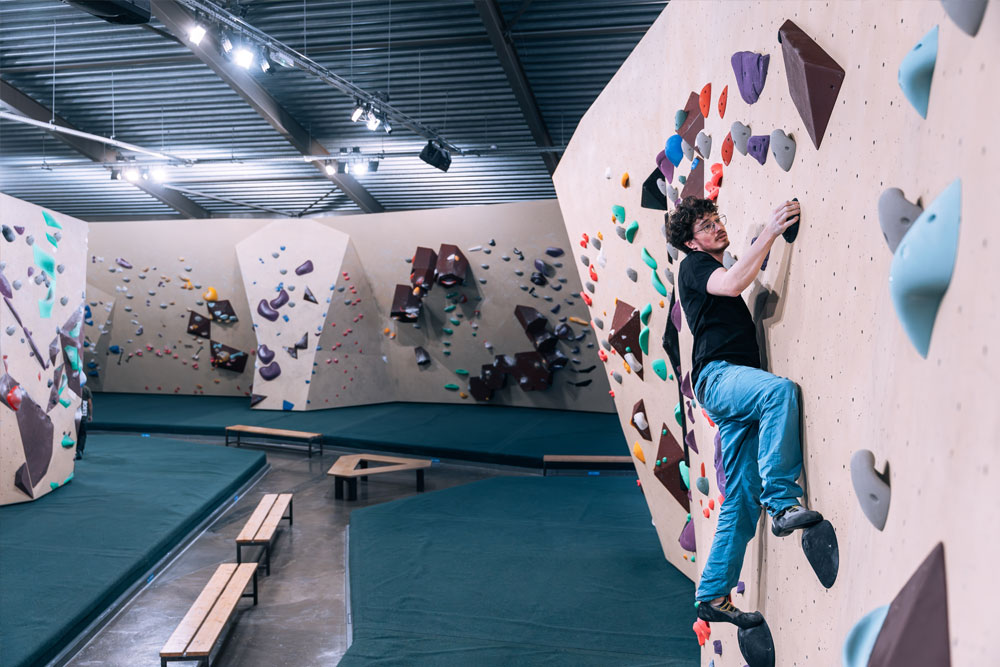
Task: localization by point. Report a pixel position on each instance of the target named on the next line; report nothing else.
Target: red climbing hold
(727, 149)
(586, 299)
(603, 355)
(584, 241)
(14, 397)
(709, 419)
(716, 179)
(706, 513)
(711, 192)
(593, 274)
(703, 469)
(612, 393)
(703, 630)
(723, 98)
(705, 100)
(711, 503)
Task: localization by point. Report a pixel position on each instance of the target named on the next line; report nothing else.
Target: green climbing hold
(451, 387)
(685, 474)
(446, 343)
(450, 308)
(50, 221)
(447, 353)
(54, 485)
(455, 321)
(461, 371)
(660, 368)
(619, 213)
(447, 330)
(693, 557)
(644, 340)
(670, 377)
(678, 414)
(645, 313)
(683, 179)
(658, 284)
(73, 356)
(631, 231)
(64, 402)
(650, 262)
(67, 441)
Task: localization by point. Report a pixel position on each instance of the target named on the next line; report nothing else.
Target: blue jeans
(758, 418)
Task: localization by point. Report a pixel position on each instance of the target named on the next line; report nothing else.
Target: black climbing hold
(538, 279)
(819, 543)
(422, 357)
(792, 232)
(756, 645)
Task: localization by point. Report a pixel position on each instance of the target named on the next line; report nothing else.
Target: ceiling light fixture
(359, 110)
(131, 174)
(243, 57)
(330, 169)
(159, 174)
(226, 44)
(436, 156)
(373, 121)
(197, 33)
(265, 64)
(360, 168)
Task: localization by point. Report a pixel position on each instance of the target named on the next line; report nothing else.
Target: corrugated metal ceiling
(433, 59)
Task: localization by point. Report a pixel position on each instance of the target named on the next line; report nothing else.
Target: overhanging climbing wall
(42, 275)
(885, 319)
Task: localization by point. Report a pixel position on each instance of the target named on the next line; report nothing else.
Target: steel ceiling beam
(489, 11)
(94, 150)
(178, 19)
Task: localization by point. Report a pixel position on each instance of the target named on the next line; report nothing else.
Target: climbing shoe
(793, 518)
(727, 613)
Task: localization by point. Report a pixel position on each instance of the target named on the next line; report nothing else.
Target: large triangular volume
(667, 469)
(915, 631)
(814, 79)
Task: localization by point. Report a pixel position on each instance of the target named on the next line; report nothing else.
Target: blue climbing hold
(917, 70)
(673, 150)
(287, 405)
(861, 639)
(923, 265)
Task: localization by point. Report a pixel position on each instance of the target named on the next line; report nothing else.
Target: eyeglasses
(712, 225)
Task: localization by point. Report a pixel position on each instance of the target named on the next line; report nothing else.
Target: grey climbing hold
(617, 377)
(703, 142)
(590, 286)
(599, 323)
(505, 258)
(669, 275)
(620, 231)
(518, 272)
(596, 243)
(728, 260)
(687, 150)
(485, 266)
(783, 149)
(585, 260)
(606, 345)
(871, 487)
(967, 14)
(632, 275)
(895, 215)
(672, 252)
(741, 135)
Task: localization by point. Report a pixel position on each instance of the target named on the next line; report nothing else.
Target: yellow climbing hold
(625, 180)
(210, 294)
(577, 320)
(637, 452)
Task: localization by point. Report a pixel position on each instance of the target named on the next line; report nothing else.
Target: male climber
(757, 413)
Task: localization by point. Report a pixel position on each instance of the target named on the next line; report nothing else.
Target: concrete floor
(301, 616)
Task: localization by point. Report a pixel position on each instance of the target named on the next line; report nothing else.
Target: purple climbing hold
(751, 73)
(545, 269)
(686, 386)
(280, 300)
(120, 261)
(270, 371)
(757, 147)
(686, 539)
(691, 442)
(665, 166)
(304, 268)
(255, 399)
(740, 588)
(720, 469)
(717, 646)
(554, 252)
(675, 315)
(264, 310)
(265, 354)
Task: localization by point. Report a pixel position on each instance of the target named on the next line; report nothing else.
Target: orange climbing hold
(577, 320)
(625, 180)
(638, 453)
(705, 100)
(703, 630)
(723, 98)
(600, 236)
(586, 299)
(727, 149)
(703, 469)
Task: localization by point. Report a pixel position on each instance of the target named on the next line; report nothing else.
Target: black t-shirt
(722, 326)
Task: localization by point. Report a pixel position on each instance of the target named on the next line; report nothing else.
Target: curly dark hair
(680, 228)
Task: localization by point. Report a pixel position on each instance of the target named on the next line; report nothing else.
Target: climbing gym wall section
(42, 274)
(882, 304)
(303, 314)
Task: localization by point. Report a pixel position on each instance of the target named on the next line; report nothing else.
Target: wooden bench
(352, 466)
(585, 461)
(262, 525)
(201, 626)
(309, 438)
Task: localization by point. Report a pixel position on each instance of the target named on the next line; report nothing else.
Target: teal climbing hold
(68, 479)
(450, 308)
(447, 353)
(671, 377)
(650, 262)
(660, 368)
(67, 441)
(447, 330)
(679, 119)
(683, 179)
(685, 474)
(646, 313)
(678, 412)
(631, 231)
(702, 484)
(446, 343)
(923, 264)
(64, 402)
(50, 221)
(451, 387)
(618, 212)
(461, 371)
(43, 260)
(51, 239)
(73, 356)
(658, 284)
(861, 639)
(54, 485)
(644, 340)
(455, 321)
(917, 70)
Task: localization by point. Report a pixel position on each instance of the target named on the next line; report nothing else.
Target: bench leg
(338, 488)
(352, 488)
(310, 449)
(267, 559)
(227, 438)
(364, 466)
(420, 480)
(289, 517)
(255, 588)
(239, 553)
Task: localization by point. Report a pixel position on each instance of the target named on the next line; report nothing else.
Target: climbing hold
(685, 474)
(723, 100)
(819, 543)
(967, 14)
(756, 645)
(633, 362)
(270, 371)
(210, 295)
(783, 149)
(265, 354)
(814, 79)
(67, 441)
(915, 630)
(631, 273)
(716, 179)
(751, 74)
(695, 186)
(687, 149)
(287, 405)
(645, 314)
(917, 70)
(423, 358)
(264, 310)
(644, 340)
(695, 121)
(451, 387)
(702, 630)
(727, 149)
(923, 265)
(637, 451)
(741, 137)
(658, 284)
(717, 647)
(673, 150)
(705, 100)
(679, 119)
(702, 484)
(654, 190)
(679, 414)
(659, 367)
(861, 639)
(895, 215)
(757, 147)
(554, 252)
(8, 234)
(640, 423)
(618, 212)
(617, 377)
(871, 487)
(625, 180)
(703, 142)
(792, 232)
(631, 231)
(304, 268)
(648, 259)
(620, 231)
(687, 537)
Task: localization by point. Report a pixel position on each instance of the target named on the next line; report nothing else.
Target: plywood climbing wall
(152, 347)
(42, 274)
(824, 304)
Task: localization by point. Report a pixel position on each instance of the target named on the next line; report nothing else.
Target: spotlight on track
(436, 156)
(330, 169)
(386, 126)
(279, 58)
(266, 65)
(373, 165)
(359, 111)
(373, 121)
(159, 174)
(116, 174)
(196, 34)
(131, 174)
(226, 44)
(360, 168)
(243, 57)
